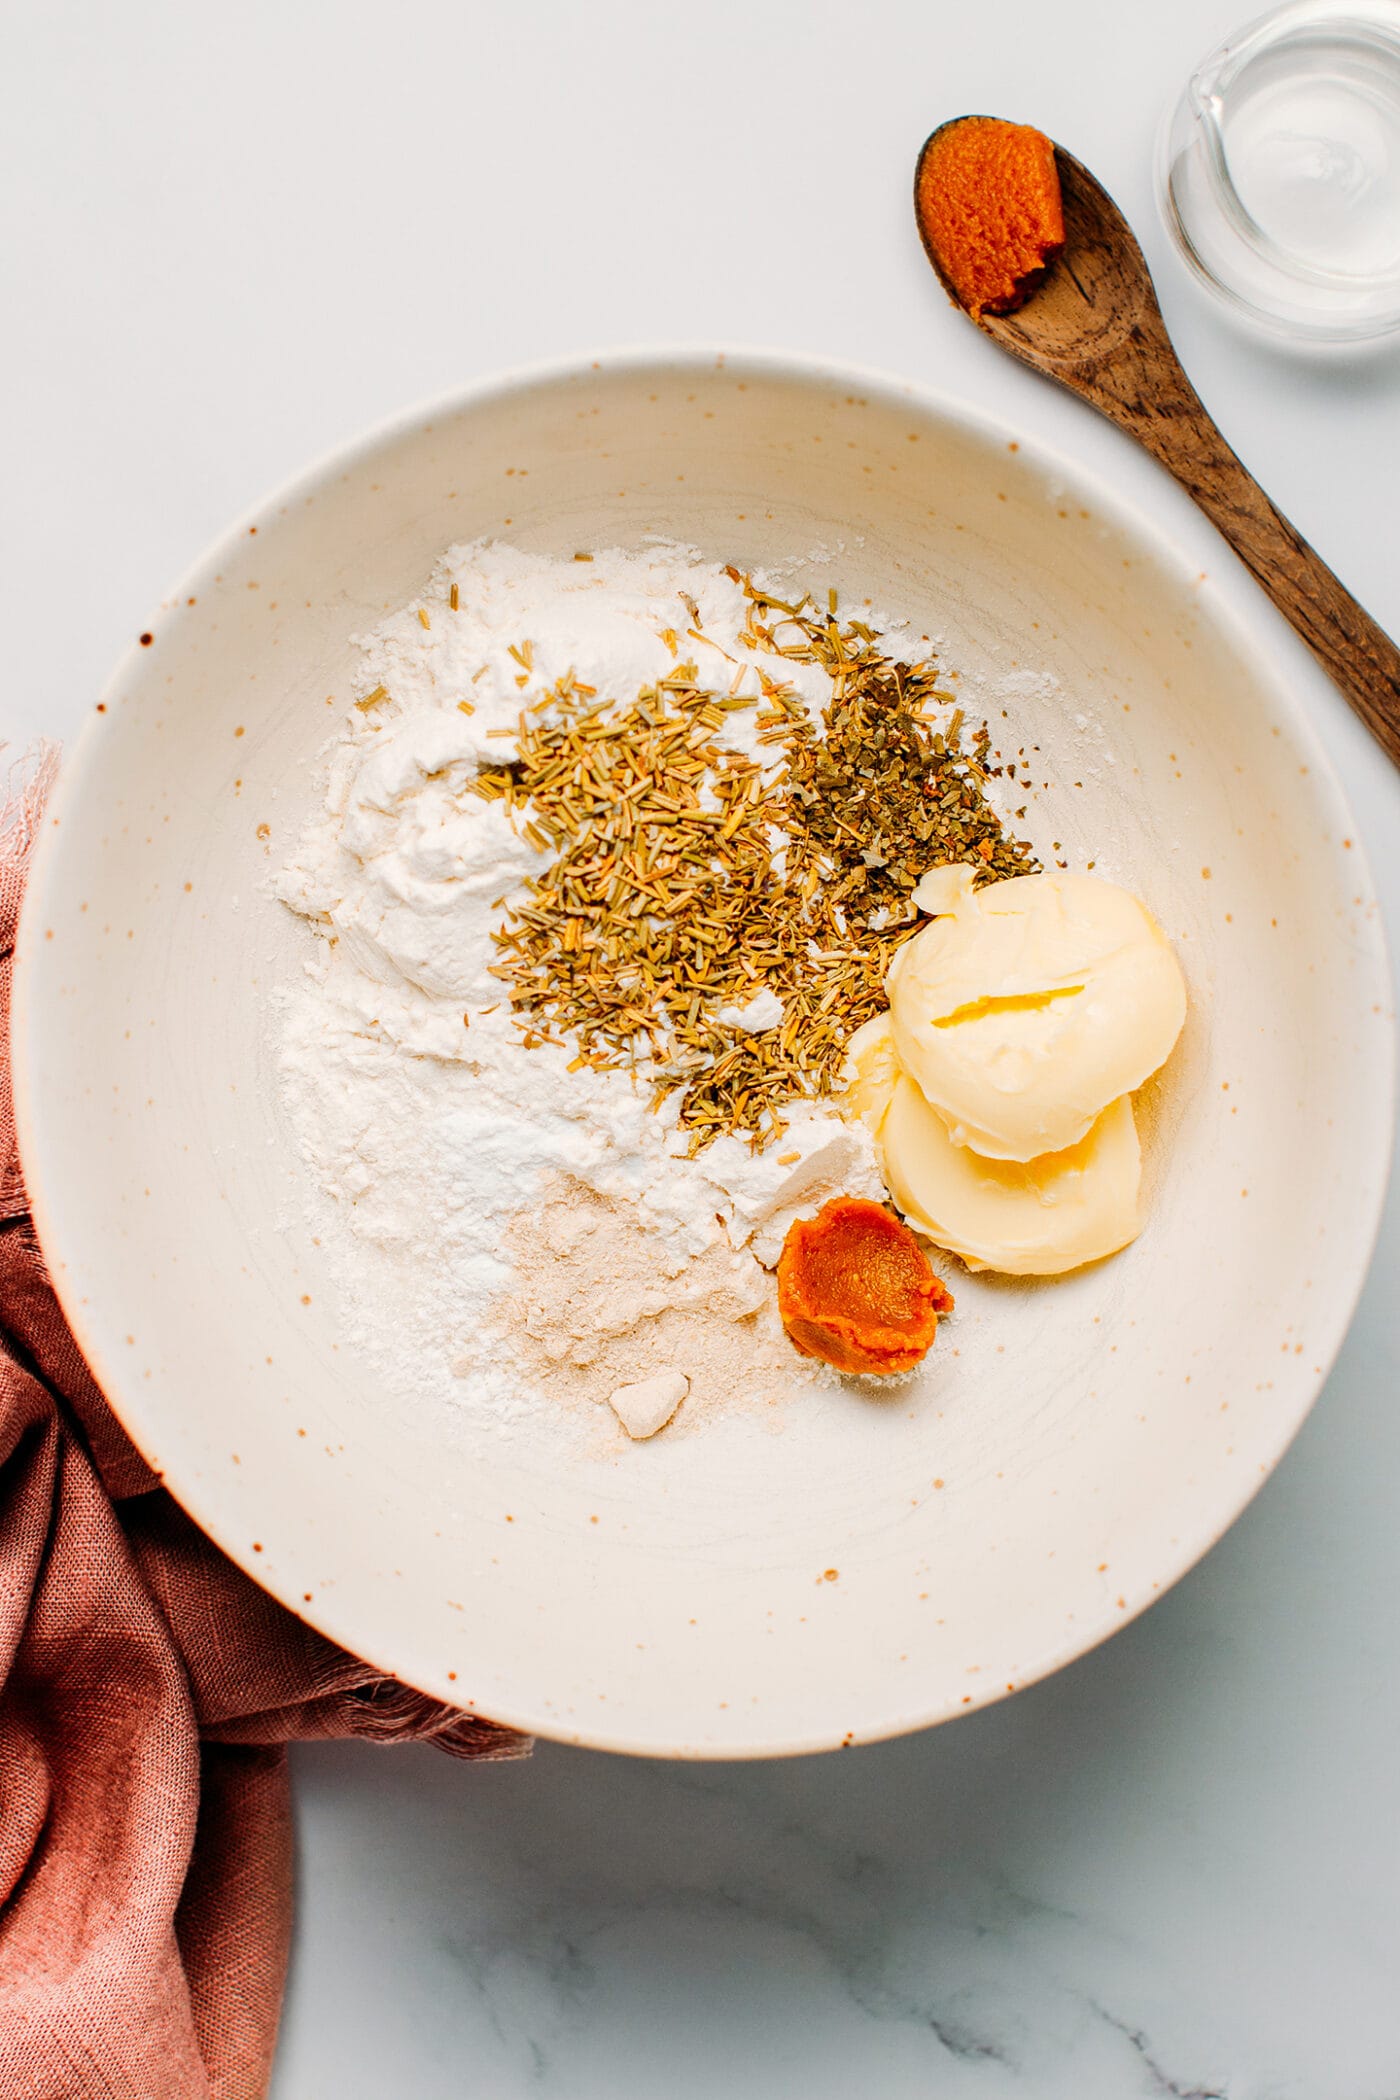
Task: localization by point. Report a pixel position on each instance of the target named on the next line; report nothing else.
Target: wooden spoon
(1092, 322)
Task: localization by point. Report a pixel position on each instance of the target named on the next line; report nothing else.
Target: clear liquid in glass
(1279, 173)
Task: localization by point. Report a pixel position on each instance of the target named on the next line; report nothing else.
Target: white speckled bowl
(877, 1566)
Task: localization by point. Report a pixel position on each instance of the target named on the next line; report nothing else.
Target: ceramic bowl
(874, 1565)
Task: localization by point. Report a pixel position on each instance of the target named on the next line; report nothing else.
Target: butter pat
(1033, 1218)
(648, 1405)
(872, 1072)
(1024, 1008)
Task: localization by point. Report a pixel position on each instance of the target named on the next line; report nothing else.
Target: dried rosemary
(670, 896)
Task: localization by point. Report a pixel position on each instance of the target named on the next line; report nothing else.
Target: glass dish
(1279, 170)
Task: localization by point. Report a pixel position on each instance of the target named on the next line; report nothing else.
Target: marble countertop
(239, 237)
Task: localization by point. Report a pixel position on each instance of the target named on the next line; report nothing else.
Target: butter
(1024, 1008)
(997, 1086)
(872, 1072)
(1036, 1217)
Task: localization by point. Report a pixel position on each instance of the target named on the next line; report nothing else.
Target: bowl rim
(1245, 617)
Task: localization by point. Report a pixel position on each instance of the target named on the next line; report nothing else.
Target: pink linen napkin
(147, 1691)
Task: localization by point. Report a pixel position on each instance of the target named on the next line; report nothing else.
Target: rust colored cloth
(147, 1691)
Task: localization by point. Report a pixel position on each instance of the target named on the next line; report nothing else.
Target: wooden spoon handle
(1150, 396)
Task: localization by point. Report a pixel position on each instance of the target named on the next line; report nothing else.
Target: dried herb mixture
(690, 878)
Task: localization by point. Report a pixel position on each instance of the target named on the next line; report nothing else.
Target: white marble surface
(231, 239)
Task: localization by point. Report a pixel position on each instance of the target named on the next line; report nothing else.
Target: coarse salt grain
(648, 1405)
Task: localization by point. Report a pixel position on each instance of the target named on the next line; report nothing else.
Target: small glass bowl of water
(1279, 170)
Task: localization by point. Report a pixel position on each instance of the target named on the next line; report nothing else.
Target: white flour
(417, 1107)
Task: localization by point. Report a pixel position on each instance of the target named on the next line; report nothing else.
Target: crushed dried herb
(880, 792)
